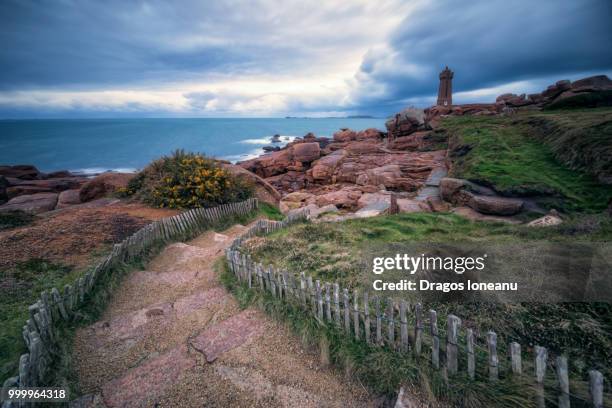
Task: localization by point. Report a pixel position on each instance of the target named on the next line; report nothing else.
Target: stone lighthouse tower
(445, 92)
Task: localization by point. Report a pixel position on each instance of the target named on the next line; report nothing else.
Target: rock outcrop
(32, 203)
(461, 192)
(104, 184)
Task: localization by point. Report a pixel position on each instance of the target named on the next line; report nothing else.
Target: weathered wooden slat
(319, 300)
(418, 328)
(390, 323)
(328, 312)
(452, 329)
(403, 326)
(493, 360)
(356, 313)
(563, 378)
(379, 340)
(471, 358)
(515, 358)
(366, 317)
(347, 311)
(337, 303)
(596, 388)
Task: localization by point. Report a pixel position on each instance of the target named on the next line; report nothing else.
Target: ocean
(96, 145)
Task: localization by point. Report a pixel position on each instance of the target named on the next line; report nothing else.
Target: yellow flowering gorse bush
(188, 180)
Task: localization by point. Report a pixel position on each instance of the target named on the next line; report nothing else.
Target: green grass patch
(19, 288)
(332, 252)
(270, 212)
(505, 154)
(14, 219)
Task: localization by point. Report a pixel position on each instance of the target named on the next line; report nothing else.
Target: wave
(90, 171)
(267, 140)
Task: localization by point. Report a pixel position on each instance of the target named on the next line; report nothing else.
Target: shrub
(187, 180)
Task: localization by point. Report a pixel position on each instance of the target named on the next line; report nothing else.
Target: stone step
(228, 334)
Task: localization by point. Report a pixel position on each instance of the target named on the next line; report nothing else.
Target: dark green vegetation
(20, 287)
(187, 180)
(13, 219)
(381, 368)
(557, 157)
(270, 212)
(585, 100)
(333, 252)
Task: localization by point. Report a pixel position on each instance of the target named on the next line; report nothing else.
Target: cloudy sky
(71, 58)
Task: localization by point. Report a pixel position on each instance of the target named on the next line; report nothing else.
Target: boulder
(104, 184)
(374, 199)
(592, 84)
(324, 168)
(407, 205)
(32, 203)
(40, 186)
(286, 207)
(306, 152)
(437, 204)
(270, 164)
(387, 176)
(495, 205)
(347, 198)
(365, 147)
(369, 134)
(297, 196)
(406, 122)
(412, 142)
(68, 198)
(264, 191)
(345, 135)
(21, 171)
(449, 187)
(554, 90)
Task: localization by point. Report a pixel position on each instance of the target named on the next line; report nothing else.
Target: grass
(21, 286)
(334, 252)
(581, 140)
(382, 369)
(513, 156)
(14, 219)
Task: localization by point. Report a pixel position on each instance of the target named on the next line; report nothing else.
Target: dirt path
(173, 336)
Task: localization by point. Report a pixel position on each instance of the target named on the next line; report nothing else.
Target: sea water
(96, 145)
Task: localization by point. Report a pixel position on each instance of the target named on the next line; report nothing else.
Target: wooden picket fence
(40, 331)
(406, 329)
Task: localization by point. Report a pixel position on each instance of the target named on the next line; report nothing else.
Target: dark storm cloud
(89, 44)
(487, 43)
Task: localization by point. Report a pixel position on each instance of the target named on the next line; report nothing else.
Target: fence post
(319, 300)
(452, 328)
(435, 339)
(356, 313)
(312, 296)
(515, 357)
(347, 311)
(563, 378)
(303, 288)
(337, 303)
(391, 323)
(378, 322)
(366, 314)
(403, 326)
(328, 313)
(596, 388)
(541, 355)
(471, 360)
(493, 360)
(418, 328)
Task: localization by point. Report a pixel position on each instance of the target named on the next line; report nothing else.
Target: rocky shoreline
(353, 174)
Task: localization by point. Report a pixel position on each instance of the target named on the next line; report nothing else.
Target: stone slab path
(173, 336)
